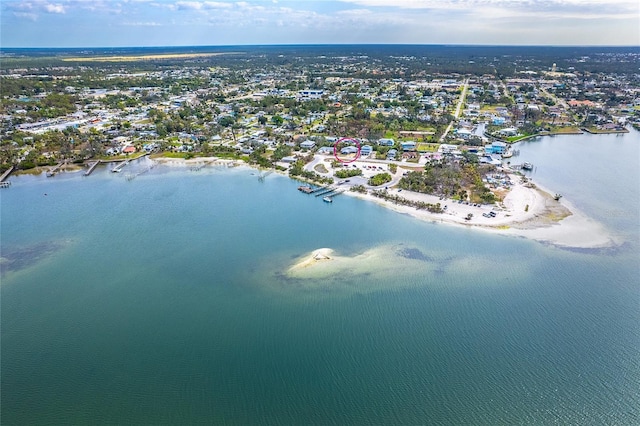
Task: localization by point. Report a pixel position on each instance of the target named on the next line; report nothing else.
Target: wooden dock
(119, 167)
(92, 167)
(327, 190)
(6, 174)
(55, 169)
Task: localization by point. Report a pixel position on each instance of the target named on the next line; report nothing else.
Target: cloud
(201, 5)
(141, 24)
(54, 8)
(189, 5)
(562, 8)
(26, 15)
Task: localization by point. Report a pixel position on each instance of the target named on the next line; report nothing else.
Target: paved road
(456, 115)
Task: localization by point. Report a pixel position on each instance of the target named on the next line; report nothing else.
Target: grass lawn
(427, 147)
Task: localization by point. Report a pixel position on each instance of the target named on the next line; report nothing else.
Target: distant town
(320, 114)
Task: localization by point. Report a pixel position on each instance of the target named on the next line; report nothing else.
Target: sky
(115, 23)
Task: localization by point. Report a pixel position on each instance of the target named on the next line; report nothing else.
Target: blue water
(165, 300)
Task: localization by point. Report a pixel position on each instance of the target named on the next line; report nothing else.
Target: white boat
(527, 166)
(327, 199)
(507, 154)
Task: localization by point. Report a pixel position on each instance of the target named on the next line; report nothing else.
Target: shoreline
(527, 211)
(547, 221)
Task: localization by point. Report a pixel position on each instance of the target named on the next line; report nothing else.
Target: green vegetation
(359, 188)
(347, 173)
(380, 179)
(420, 205)
(393, 168)
(297, 170)
(460, 180)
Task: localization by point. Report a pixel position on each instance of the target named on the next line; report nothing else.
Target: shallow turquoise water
(162, 301)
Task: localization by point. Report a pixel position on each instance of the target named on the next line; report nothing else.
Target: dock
(320, 188)
(92, 167)
(199, 167)
(326, 190)
(131, 177)
(52, 171)
(5, 175)
(119, 167)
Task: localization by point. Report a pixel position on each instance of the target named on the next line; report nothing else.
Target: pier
(5, 175)
(132, 176)
(55, 169)
(326, 190)
(200, 166)
(92, 167)
(119, 167)
(320, 188)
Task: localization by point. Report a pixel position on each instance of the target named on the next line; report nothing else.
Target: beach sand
(526, 211)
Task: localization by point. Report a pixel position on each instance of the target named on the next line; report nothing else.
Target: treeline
(395, 198)
(457, 179)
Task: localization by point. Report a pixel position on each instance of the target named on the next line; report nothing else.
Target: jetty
(119, 167)
(55, 169)
(318, 189)
(92, 167)
(199, 167)
(326, 190)
(5, 175)
(328, 197)
(131, 176)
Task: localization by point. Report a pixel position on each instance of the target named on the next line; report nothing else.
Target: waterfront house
(328, 150)
(366, 150)
(391, 155)
(496, 148)
(349, 150)
(386, 142)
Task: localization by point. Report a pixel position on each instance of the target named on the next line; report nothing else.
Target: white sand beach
(526, 211)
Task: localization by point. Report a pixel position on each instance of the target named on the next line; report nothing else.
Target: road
(456, 115)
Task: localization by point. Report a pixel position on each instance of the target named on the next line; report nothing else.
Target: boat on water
(527, 166)
(507, 154)
(327, 199)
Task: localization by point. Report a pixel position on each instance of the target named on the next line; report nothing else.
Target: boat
(327, 199)
(527, 166)
(507, 154)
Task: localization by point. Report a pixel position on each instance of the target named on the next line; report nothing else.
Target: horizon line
(327, 44)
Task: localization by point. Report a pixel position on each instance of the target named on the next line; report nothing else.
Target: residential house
(308, 144)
